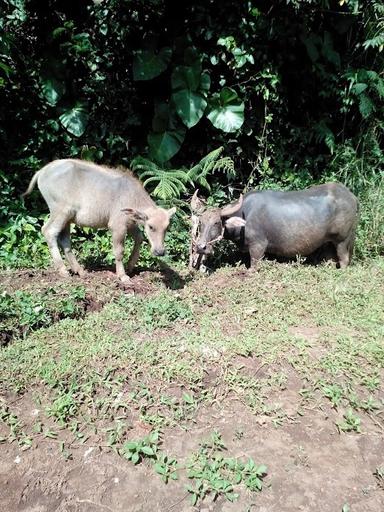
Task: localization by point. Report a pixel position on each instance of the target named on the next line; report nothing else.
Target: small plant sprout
(334, 392)
(137, 451)
(350, 423)
(166, 467)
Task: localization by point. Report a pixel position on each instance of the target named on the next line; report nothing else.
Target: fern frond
(168, 184)
(198, 168)
(139, 163)
(324, 134)
(209, 165)
(374, 42)
(366, 106)
(379, 86)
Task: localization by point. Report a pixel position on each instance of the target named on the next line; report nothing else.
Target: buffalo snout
(203, 249)
(158, 252)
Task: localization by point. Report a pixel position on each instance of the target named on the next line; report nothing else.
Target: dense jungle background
(221, 96)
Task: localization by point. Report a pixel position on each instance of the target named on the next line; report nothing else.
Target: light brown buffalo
(90, 195)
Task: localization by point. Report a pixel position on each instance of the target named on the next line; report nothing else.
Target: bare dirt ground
(311, 466)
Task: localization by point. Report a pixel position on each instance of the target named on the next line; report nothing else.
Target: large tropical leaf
(164, 145)
(227, 111)
(190, 106)
(205, 82)
(163, 118)
(75, 119)
(190, 88)
(168, 133)
(185, 77)
(52, 89)
(359, 88)
(148, 64)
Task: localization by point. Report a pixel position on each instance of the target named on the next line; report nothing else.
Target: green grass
(24, 311)
(158, 359)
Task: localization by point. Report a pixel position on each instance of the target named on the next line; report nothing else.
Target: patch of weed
(350, 423)
(22, 311)
(136, 451)
(166, 467)
(16, 432)
(216, 475)
(162, 310)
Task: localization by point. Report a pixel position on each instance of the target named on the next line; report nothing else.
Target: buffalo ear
(235, 222)
(136, 215)
(171, 211)
(197, 204)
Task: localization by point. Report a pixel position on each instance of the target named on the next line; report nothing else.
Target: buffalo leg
(51, 231)
(343, 253)
(138, 239)
(65, 242)
(118, 237)
(256, 252)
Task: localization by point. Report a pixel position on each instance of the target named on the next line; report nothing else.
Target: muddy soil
(100, 283)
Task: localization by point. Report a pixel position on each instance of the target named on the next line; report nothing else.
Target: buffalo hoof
(63, 272)
(81, 272)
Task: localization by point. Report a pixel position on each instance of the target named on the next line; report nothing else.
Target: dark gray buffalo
(284, 224)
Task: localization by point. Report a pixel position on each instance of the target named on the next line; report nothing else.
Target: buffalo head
(213, 222)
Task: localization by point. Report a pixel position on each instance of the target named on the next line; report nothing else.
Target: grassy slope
(158, 358)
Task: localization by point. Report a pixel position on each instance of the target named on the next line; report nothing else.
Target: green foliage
(166, 467)
(53, 90)
(190, 88)
(168, 133)
(163, 310)
(22, 311)
(361, 170)
(199, 174)
(75, 119)
(16, 432)
(165, 183)
(370, 230)
(148, 64)
(168, 184)
(227, 110)
(375, 26)
(350, 423)
(288, 92)
(334, 392)
(64, 406)
(21, 243)
(216, 475)
(367, 88)
(137, 451)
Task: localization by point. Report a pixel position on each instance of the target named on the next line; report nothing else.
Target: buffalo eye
(218, 229)
(151, 228)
